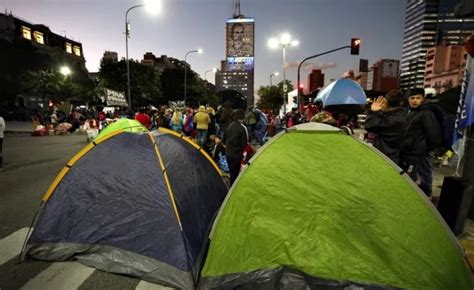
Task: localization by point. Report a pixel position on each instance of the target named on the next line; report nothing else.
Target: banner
(114, 98)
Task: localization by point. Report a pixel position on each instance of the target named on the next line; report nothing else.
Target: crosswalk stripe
(11, 245)
(59, 276)
(143, 285)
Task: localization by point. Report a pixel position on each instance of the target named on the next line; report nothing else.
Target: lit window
(26, 32)
(68, 47)
(38, 37)
(77, 50)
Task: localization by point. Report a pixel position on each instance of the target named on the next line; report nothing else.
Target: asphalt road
(30, 165)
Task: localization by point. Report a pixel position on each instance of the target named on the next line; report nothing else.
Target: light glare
(295, 43)
(199, 50)
(153, 6)
(273, 43)
(65, 70)
(285, 38)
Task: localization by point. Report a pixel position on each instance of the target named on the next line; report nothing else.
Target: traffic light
(355, 45)
(300, 89)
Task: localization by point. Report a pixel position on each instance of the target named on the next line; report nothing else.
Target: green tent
(318, 209)
(124, 124)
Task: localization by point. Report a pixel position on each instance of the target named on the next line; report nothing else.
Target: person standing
(387, 120)
(2, 130)
(422, 138)
(143, 118)
(236, 137)
(202, 121)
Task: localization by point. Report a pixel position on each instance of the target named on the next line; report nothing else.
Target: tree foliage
(145, 85)
(271, 97)
(26, 70)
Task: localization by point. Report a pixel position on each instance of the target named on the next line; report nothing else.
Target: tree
(145, 85)
(271, 97)
(16, 58)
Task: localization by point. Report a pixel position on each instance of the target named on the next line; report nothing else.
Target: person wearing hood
(388, 121)
(202, 121)
(422, 139)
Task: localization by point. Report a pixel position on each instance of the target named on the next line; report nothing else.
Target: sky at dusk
(183, 25)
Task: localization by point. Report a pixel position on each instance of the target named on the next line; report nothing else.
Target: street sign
(285, 88)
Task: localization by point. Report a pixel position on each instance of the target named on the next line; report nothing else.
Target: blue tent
(137, 204)
(342, 92)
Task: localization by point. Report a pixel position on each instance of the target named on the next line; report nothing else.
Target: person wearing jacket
(202, 121)
(387, 120)
(421, 140)
(236, 137)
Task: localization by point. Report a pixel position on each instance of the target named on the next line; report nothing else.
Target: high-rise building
(315, 80)
(237, 71)
(445, 67)
(428, 23)
(383, 75)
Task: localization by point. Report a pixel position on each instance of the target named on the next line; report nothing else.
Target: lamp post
(284, 41)
(186, 68)
(65, 71)
(205, 78)
(271, 75)
(153, 6)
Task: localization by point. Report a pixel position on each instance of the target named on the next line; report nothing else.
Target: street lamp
(271, 75)
(205, 78)
(186, 68)
(284, 41)
(65, 70)
(153, 6)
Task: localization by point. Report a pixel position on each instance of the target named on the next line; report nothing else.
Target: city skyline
(179, 29)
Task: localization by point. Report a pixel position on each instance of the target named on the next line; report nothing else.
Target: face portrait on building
(240, 39)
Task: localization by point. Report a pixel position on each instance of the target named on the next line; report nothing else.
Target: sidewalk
(18, 127)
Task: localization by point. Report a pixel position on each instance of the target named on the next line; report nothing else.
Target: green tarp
(329, 206)
(127, 125)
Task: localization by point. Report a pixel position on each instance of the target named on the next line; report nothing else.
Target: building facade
(445, 67)
(110, 56)
(59, 48)
(163, 62)
(237, 71)
(428, 23)
(315, 80)
(383, 75)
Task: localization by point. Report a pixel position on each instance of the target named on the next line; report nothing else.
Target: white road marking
(10, 246)
(60, 276)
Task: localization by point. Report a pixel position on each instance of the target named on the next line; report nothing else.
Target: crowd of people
(408, 128)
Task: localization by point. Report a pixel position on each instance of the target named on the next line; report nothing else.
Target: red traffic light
(355, 45)
(301, 86)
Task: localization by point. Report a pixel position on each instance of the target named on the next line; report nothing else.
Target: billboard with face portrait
(240, 37)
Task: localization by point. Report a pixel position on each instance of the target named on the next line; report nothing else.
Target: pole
(127, 35)
(185, 72)
(301, 63)
(285, 87)
(271, 75)
(205, 83)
